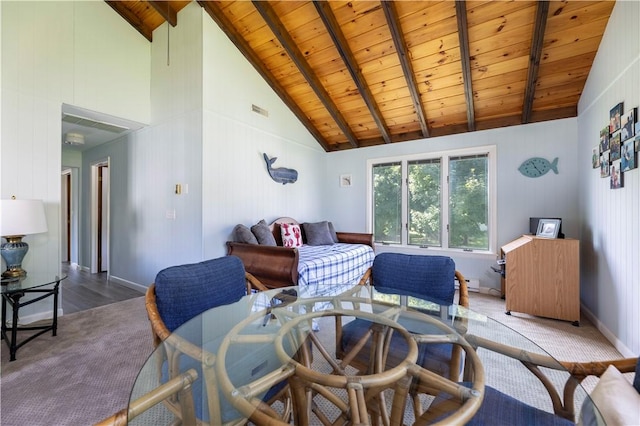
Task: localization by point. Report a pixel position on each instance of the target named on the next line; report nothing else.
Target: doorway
(100, 199)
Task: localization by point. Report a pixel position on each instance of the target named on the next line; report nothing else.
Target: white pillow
(291, 235)
(615, 398)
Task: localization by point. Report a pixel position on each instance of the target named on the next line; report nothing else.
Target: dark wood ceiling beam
(278, 29)
(131, 18)
(463, 37)
(165, 10)
(542, 12)
(216, 13)
(393, 22)
(341, 44)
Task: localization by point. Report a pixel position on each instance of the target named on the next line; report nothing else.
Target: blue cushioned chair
(426, 277)
(499, 409)
(183, 292)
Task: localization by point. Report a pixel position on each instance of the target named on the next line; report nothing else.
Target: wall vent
(261, 111)
(87, 122)
(473, 284)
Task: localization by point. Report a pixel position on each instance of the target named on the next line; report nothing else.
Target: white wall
(519, 197)
(54, 53)
(203, 136)
(610, 231)
(236, 187)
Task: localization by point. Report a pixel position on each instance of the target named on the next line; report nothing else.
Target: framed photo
(637, 141)
(627, 125)
(614, 146)
(604, 164)
(604, 139)
(614, 117)
(616, 175)
(548, 228)
(345, 180)
(628, 156)
(595, 158)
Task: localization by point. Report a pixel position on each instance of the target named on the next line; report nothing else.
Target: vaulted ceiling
(361, 73)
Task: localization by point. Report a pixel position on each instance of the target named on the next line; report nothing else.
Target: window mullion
(405, 203)
(444, 202)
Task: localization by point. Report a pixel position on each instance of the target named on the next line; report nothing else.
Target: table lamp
(17, 219)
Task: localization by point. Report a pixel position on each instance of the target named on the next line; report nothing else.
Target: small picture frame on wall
(614, 146)
(595, 157)
(604, 139)
(628, 156)
(627, 124)
(615, 115)
(616, 175)
(548, 228)
(346, 180)
(604, 165)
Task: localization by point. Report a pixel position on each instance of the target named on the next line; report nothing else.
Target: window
(442, 200)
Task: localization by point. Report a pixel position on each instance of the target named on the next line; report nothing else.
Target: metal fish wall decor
(280, 174)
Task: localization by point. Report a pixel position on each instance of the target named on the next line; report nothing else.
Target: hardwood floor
(82, 290)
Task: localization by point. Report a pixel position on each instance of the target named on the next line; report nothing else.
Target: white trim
(129, 284)
(94, 213)
(611, 337)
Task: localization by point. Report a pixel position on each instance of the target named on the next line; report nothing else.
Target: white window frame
(489, 150)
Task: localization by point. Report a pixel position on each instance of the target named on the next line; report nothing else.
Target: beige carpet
(82, 375)
(86, 373)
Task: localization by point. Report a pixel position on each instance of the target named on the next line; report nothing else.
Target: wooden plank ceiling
(363, 73)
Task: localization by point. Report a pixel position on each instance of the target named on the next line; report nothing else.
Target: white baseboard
(39, 316)
(621, 347)
(130, 284)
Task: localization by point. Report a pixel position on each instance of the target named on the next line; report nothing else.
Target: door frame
(98, 217)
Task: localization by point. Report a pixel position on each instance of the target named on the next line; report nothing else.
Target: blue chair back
(428, 277)
(185, 291)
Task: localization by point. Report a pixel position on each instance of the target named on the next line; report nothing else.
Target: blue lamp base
(13, 251)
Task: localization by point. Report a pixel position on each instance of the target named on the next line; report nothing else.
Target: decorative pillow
(291, 235)
(243, 234)
(263, 234)
(333, 233)
(616, 400)
(318, 234)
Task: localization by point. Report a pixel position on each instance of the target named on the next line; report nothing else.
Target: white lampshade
(22, 217)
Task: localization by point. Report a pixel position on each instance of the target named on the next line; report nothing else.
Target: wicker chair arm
(254, 284)
(463, 293)
(174, 386)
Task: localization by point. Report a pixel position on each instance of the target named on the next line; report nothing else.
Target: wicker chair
(177, 387)
(427, 277)
(181, 293)
(514, 412)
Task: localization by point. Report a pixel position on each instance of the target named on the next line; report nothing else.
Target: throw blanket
(333, 264)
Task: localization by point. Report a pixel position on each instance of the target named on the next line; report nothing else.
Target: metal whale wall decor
(280, 174)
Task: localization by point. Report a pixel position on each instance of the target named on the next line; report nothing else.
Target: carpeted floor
(82, 375)
(86, 373)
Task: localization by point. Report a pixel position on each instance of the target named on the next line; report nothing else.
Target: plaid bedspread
(339, 263)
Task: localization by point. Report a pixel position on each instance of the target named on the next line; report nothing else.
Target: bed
(277, 266)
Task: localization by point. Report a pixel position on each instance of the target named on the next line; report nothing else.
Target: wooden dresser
(542, 277)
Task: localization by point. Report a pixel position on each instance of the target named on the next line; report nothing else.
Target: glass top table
(14, 289)
(245, 352)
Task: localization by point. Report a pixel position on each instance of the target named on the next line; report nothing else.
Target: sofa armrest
(355, 238)
(273, 266)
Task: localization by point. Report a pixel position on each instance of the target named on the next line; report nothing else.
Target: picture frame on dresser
(548, 228)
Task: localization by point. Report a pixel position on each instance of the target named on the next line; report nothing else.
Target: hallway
(82, 290)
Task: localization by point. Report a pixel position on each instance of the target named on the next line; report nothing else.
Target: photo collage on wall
(619, 143)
